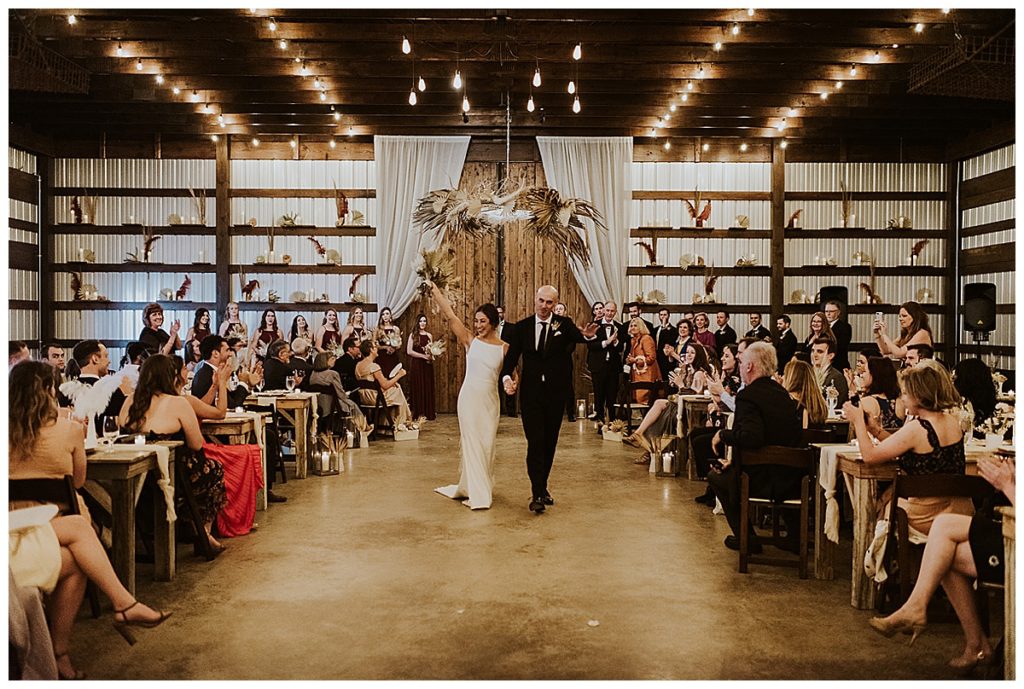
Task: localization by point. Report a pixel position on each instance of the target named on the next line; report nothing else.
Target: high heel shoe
(888, 628)
(964, 667)
(122, 625)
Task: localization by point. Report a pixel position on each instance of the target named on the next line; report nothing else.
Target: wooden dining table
(693, 413)
(298, 409)
(121, 470)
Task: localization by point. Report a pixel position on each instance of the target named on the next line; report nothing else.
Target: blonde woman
(642, 357)
(327, 336)
(232, 325)
(799, 381)
(356, 326)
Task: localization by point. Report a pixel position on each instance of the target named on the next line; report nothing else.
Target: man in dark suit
(765, 415)
(823, 354)
(725, 335)
(278, 366)
(345, 364)
(604, 359)
(633, 311)
(215, 353)
(757, 330)
(785, 343)
(507, 403)
(843, 332)
(545, 342)
(664, 334)
(94, 363)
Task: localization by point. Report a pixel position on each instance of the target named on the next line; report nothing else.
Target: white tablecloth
(828, 469)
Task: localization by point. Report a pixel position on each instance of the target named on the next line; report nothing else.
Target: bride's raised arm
(462, 334)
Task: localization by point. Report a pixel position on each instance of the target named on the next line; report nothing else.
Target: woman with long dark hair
(914, 329)
(881, 404)
(300, 328)
(200, 326)
(421, 370)
(267, 332)
(389, 341)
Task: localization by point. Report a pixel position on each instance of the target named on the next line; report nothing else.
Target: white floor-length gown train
(478, 425)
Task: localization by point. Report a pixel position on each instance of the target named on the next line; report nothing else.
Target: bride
(478, 402)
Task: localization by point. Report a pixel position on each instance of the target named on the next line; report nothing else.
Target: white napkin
(163, 458)
(828, 467)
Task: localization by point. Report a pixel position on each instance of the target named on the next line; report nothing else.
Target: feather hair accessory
(320, 250)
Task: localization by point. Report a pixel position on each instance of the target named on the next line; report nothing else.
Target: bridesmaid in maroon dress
(421, 371)
(389, 341)
(328, 336)
(267, 332)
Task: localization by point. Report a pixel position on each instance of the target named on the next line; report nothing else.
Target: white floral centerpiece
(997, 380)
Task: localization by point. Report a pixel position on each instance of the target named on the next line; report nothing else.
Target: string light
(853, 70)
(159, 78)
(316, 82)
(572, 87)
(791, 112)
(337, 116)
(782, 125)
(412, 96)
(272, 24)
(824, 95)
(120, 50)
(735, 29)
(421, 84)
(206, 108)
(918, 27)
(672, 107)
(667, 116)
(743, 147)
(220, 120)
(945, 10)
(706, 147)
(839, 85)
(668, 145)
(214, 138)
(255, 141)
(576, 104)
(653, 132)
(351, 131)
(717, 46)
(323, 96)
(877, 56)
(700, 72)
(72, 19)
(304, 70)
(784, 144)
(406, 47)
(294, 143)
(176, 91)
(282, 44)
(684, 97)
(577, 52)
(895, 46)
(465, 103)
(457, 81)
(661, 122)
(529, 104)
(138, 65)
(332, 143)
(195, 96)
(689, 85)
(536, 78)
(750, 12)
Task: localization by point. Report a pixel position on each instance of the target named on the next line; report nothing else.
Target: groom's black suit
(543, 388)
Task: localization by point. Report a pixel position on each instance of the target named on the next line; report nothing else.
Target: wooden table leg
(301, 442)
(865, 513)
(122, 502)
(163, 535)
(824, 549)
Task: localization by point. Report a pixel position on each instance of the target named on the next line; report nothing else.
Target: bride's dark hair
(491, 311)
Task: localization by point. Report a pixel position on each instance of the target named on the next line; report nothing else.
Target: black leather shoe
(572, 418)
(274, 497)
(706, 499)
(733, 543)
(537, 505)
(547, 499)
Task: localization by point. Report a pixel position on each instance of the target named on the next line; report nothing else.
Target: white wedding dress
(478, 425)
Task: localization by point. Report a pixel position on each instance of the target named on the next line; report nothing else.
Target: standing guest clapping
(642, 358)
(156, 339)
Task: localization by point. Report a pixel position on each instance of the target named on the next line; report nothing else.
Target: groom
(546, 343)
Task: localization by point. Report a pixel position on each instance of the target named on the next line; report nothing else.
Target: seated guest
(880, 400)
(192, 354)
(324, 374)
(785, 342)
(823, 353)
(642, 358)
(278, 366)
(53, 354)
(696, 371)
(216, 363)
(916, 353)
(723, 388)
(659, 422)
(368, 369)
(854, 382)
(959, 550)
(930, 443)
(301, 361)
(802, 386)
(765, 415)
(757, 330)
(134, 354)
(17, 352)
(973, 380)
(93, 361)
(345, 366)
(725, 334)
(155, 339)
(156, 409)
(914, 329)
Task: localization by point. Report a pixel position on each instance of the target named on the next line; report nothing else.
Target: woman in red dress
(328, 336)
(421, 371)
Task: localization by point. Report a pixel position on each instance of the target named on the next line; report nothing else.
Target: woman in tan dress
(394, 398)
(642, 358)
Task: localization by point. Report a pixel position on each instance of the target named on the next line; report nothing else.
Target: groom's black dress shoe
(547, 499)
(733, 543)
(537, 505)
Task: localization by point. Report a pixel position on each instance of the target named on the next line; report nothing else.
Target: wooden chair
(55, 491)
(823, 434)
(337, 420)
(796, 457)
(626, 407)
(376, 413)
(183, 489)
(275, 458)
(904, 564)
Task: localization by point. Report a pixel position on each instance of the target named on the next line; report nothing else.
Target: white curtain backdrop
(600, 170)
(408, 167)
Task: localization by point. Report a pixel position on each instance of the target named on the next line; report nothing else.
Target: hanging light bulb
(653, 132)
(195, 96)
(839, 85)
(945, 10)
(529, 104)
(668, 145)
(220, 120)
(337, 116)
(206, 108)
(706, 147)
(332, 143)
(672, 107)
(661, 122)
(176, 91)
(572, 87)
(782, 125)
(791, 112)
(323, 96)
(877, 56)
(689, 85)
(412, 96)
(895, 46)
(918, 27)
(120, 50)
(750, 12)
(577, 52)
(667, 116)
(282, 44)
(351, 131)
(717, 46)
(255, 141)
(735, 29)
(700, 72)
(824, 95)
(421, 84)
(576, 104)
(853, 70)
(214, 138)
(304, 70)
(138, 65)
(465, 103)
(159, 78)
(536, 77)
(684, 97)
(743, 147)
(294, 142)
(272, 24)
(72, 19)
(316, 82)
(406, 48)
(457, 81)
(784, 144)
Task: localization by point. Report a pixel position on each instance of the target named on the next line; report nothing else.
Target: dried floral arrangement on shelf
(288, 220)
(330, 256)
(149, 238)
(870, 296)
(915, 251)
(701, 217)
(742, 222)
(355, 297)
(860, 258)
(90, 206)
(341, 205)
(76, 210)
(248, 287)
(84, 292)
(199, 204)
(791, 224)
(651, 249)
(746, 261)
(655, 296)
(182, 292)
(900, 222)
(710, 279)
(691, 261)
(272, 296)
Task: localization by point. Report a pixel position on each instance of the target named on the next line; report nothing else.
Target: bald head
(547, 297)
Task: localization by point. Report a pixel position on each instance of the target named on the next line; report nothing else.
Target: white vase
(993, 441)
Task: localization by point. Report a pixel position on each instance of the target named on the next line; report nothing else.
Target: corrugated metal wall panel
(988, 239)
(138, 286)
(148, 210)
(666, 213)
(133, 173)
(23, 284)
(20, 210)
(888, 250)
(986, 163)
(993, 212)
(113, 248)
(885, 177)
(706, 176)
(681, 289)
(319, 212)
(22, 160)
(875, 215)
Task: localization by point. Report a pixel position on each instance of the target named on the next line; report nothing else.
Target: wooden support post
(47, 315)
(778, 242)
(223, 231)
(951, 331)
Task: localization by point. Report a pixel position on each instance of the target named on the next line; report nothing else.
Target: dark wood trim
(950, 285)
(223, 226)
(996, 258)
(777, 293)
(976, 143)
(881, 271)
(986, 197)
(301, 193)
(345, 231)
(127, 192)
(677, 195)
(108, 343)
(870, 233)
(759, 271)
(862, 308)
(22, 255)
(26, 225)
(697, 233)
(989, 228)
(29, 140)
(47, 322)
(22, 305)
(21, 186)
(97, 305)
(1000, 179)
(311, 306)
(866, 196)
(169, 230)
(256, 268)
(133, 267)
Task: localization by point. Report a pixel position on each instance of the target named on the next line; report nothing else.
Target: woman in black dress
(153, 337)
(388, 337)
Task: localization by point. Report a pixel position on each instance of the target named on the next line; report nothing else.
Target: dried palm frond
(149, 238)
(791, 224)
(199, 204)
(692, 207)
(845, 197)
(341, 203)
(89, 206)
(656, 296)
(652, 253)
(438, 267)
(76, 287)
(869, 294)
(558, 219)
(916, 250)
(320, 249)
(705, 213)
(249, 287)
(451, 213)
(183, 290)
(270, 239)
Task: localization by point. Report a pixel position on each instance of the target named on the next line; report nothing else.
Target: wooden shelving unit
(706, 308)
(292, 267)
(882, 271)
(303, 232)
(311, 306)
(698, 233)
(94, 305)
(81, 267)
(842, 233)
(182, 230)
(755, 271)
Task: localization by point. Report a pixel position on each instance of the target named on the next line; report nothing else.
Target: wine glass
(289, 382)
(111, 428)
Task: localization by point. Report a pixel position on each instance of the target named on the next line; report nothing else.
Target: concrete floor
(371, 575)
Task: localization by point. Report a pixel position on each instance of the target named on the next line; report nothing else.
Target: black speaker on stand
(980, 309)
